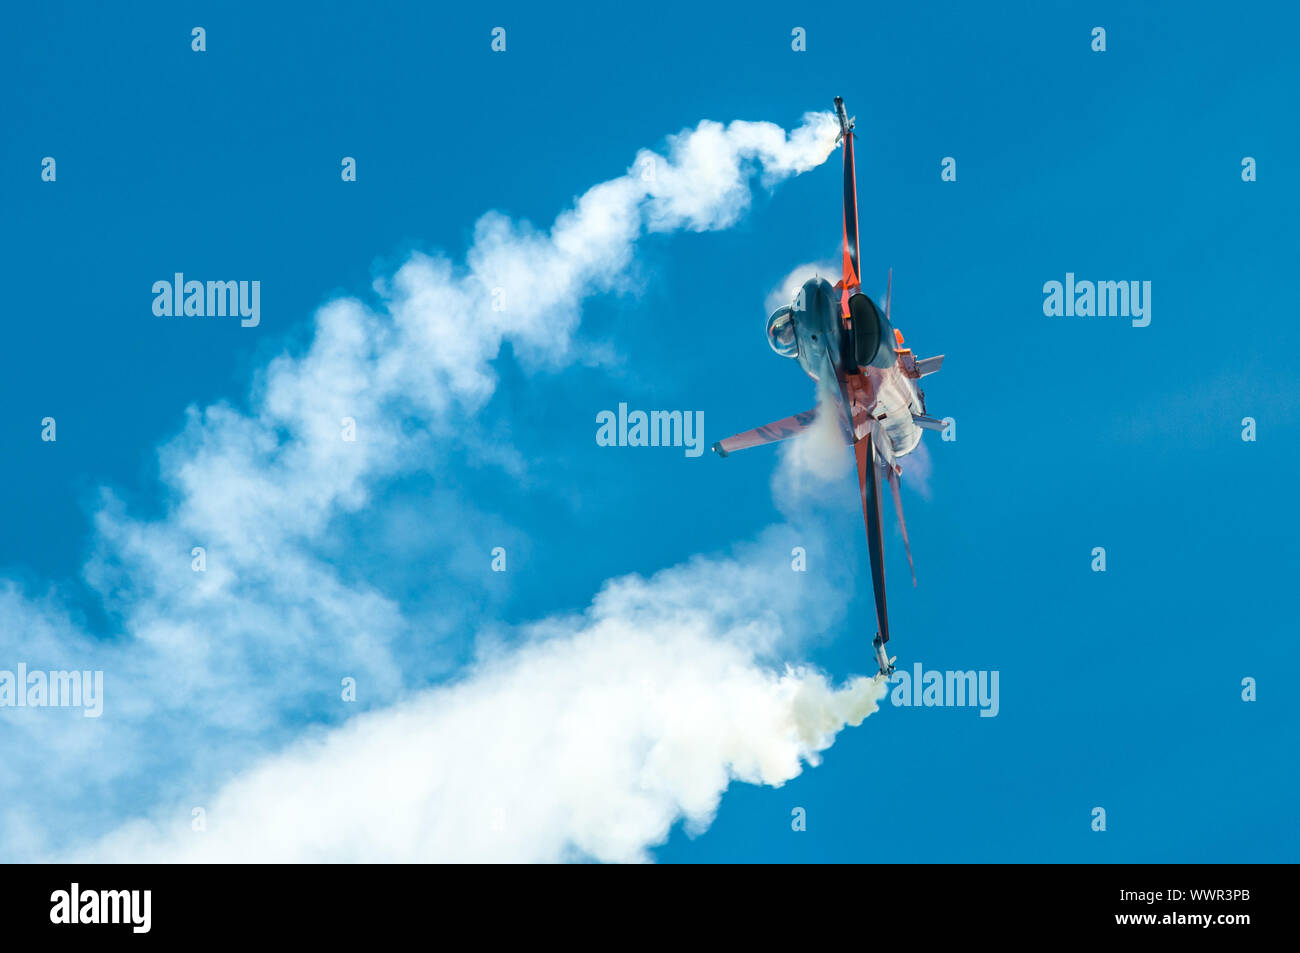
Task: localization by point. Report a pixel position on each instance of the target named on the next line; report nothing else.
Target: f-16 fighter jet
(868, 380)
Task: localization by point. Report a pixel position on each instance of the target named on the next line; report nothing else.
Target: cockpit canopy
(780, 333)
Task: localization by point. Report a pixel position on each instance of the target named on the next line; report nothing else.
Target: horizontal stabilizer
(929, 423)
(929, 365)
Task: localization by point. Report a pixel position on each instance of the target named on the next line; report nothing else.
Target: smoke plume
(222, 684)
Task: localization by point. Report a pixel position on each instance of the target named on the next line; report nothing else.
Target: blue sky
(1119, 689)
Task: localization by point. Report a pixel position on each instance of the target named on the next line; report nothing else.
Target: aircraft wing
(869, 486)
(770, 433)
(852, 274)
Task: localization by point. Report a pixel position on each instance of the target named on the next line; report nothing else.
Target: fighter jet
(865, 376)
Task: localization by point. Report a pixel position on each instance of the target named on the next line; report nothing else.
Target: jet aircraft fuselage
(865, 376)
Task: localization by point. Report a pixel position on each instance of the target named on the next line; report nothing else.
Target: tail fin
(902, 523)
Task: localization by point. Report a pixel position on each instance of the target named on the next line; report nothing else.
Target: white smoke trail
(590, 743)
(816, 457)
(918, 467)
(213, 669)
(782, 295)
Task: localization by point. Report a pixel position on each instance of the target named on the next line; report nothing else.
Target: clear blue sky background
(1119, 690)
